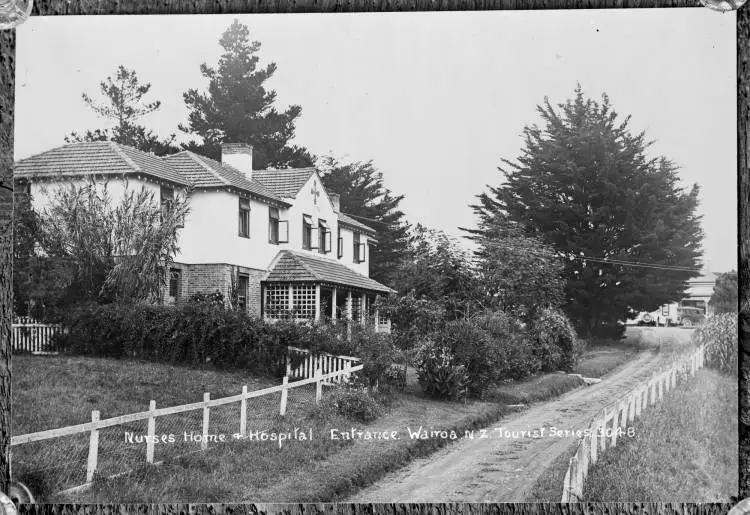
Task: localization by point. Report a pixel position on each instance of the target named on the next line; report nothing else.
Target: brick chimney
(239, 156)
(336, 201)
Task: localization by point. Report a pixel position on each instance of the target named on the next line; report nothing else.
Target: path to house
(503, 469)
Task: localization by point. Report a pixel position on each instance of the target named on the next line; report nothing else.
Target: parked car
(690, 316)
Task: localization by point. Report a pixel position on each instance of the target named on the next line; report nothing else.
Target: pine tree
(366, 199)
(584, 185)
(123, 104)
(237, 108)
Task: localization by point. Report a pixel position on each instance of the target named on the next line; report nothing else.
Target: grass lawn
(318, 470)
(684, 448)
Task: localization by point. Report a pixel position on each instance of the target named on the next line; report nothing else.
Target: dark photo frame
(106, 7)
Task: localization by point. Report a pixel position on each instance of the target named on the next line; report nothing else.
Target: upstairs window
(307, 232)
(278, 230)
(340, 249)
(166, 199)
(359, 249)
(244, 218)
(324, 237)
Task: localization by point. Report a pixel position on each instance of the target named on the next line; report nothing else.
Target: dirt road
(504, 467)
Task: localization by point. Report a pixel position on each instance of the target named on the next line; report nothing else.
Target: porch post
(377, 315)
(290, 300)
(317, 302)
(333, 304)
(349, 314)
(363, 309)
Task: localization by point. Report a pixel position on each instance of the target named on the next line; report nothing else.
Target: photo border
(125, 7)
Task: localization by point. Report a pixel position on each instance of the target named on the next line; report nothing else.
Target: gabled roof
(284, 183)
(96, 158)
(207, 173)
(348, 220)
(290, 266)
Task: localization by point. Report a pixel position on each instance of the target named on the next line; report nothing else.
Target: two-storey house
(275, 240)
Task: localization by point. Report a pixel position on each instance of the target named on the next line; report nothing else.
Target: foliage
(377, 352)
(119, 250)
(215, 299)
(519, 357)
(725, 297)
(584, 185)
(365, 198)
(518, 273)
(411, 318)
(237, 108)
(353, 403)
(439, 269)
(193, 333)
(555, 341)
(720, 335)
(124, 104)
(439, 373)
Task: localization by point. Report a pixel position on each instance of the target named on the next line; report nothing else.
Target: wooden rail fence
(612, 421)
(96, 425)
(327, 363)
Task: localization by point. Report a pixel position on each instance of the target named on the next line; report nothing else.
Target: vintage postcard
(376, 257)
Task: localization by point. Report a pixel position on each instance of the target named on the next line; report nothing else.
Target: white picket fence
(327, 363)
(602, 433)
(29, 335)
(319, 378)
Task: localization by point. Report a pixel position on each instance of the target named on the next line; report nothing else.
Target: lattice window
(277, 300)
(303, 301)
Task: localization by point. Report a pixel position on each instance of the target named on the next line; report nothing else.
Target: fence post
(150, 439)
(288, 365)
(204, 440)
(284, 394)
(575, 487)
(318, 386)
(93, 448)
(594, 443)
(615, 425)
(243, 412)
(603, 440)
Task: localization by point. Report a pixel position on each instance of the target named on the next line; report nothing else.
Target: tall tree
(726, 297)
(123, 104)
(584, 185)
(365, 197)
(237, 108)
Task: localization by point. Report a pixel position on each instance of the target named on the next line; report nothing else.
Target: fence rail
(328, 363)
(97, 425)
(603, 432)
(28, 335)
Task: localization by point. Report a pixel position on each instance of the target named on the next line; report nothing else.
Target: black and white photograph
(376, 257)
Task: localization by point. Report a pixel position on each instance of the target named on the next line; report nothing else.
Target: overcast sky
(434, 99)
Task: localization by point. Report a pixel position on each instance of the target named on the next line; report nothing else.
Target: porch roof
(290, 266)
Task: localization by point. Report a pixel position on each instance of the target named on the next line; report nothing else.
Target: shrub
(474, 348)
(555, 341)
(377, 352)
(194, 333)
(719, 333)
(519, 359)
(439, 374)
(351, 402)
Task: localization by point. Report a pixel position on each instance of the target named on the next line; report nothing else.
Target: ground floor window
(277, 300)
(175, 282)
(303, 301)
(243, 282)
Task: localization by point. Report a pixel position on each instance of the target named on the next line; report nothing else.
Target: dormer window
(244, 218)
(324, 237)
(307, 224)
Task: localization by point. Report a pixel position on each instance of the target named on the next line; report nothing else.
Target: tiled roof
(284, 183)
(348, 220)
(207, 173)
(97, 157)
(289, 266)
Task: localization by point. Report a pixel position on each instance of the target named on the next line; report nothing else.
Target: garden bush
(719, 333)
(194, 333)
(351, 402)
(519, 359)
(556, 343)
(439, 373)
